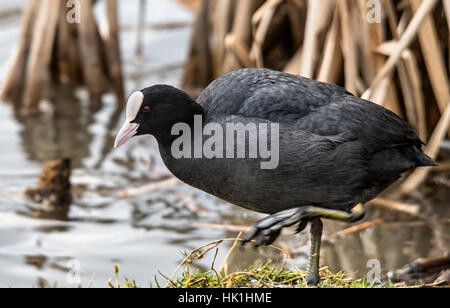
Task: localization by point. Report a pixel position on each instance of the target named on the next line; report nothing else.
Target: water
(146, 234)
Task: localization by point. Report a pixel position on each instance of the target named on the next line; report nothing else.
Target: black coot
(335, 150)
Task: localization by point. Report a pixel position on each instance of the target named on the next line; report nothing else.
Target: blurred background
(67, 67)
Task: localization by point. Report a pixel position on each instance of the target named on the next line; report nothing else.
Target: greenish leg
(356, 214)
(312, 277)
(266, 231)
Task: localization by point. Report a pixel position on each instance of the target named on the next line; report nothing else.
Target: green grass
(266, 276)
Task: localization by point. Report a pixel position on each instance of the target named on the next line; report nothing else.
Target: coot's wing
(377, 127)
(263, 92)
(320, 108)
(342, 115)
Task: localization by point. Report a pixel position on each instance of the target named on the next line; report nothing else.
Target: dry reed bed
(399, 61)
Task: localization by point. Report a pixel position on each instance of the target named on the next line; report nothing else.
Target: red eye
(146, 109)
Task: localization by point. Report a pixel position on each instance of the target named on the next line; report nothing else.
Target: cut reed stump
(52, 197)
(64, 44)
(395, 53)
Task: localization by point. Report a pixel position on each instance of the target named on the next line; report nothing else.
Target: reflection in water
(60, 131)
(64, 128)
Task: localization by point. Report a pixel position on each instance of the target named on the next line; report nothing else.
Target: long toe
(267, 230)
(251, 235)
(266, 237)
(301, 226)
(272, 237)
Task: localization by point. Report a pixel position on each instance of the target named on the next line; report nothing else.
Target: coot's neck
(183, 114)
(181, 168)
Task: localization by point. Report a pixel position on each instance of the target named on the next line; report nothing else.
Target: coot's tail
(420, 158)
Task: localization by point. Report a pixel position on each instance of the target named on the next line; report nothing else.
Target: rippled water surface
(146, 233)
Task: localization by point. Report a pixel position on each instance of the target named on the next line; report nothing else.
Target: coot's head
(155, 110)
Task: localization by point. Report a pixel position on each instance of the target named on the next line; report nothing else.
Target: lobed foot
(266, 231)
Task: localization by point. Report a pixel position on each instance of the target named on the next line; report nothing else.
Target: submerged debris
(421, 268)
(52, 197)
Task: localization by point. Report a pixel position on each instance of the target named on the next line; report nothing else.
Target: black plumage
(336, 150)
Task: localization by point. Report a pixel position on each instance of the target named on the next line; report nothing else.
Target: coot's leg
(312, 276)
(357, 213)
(266, 231)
